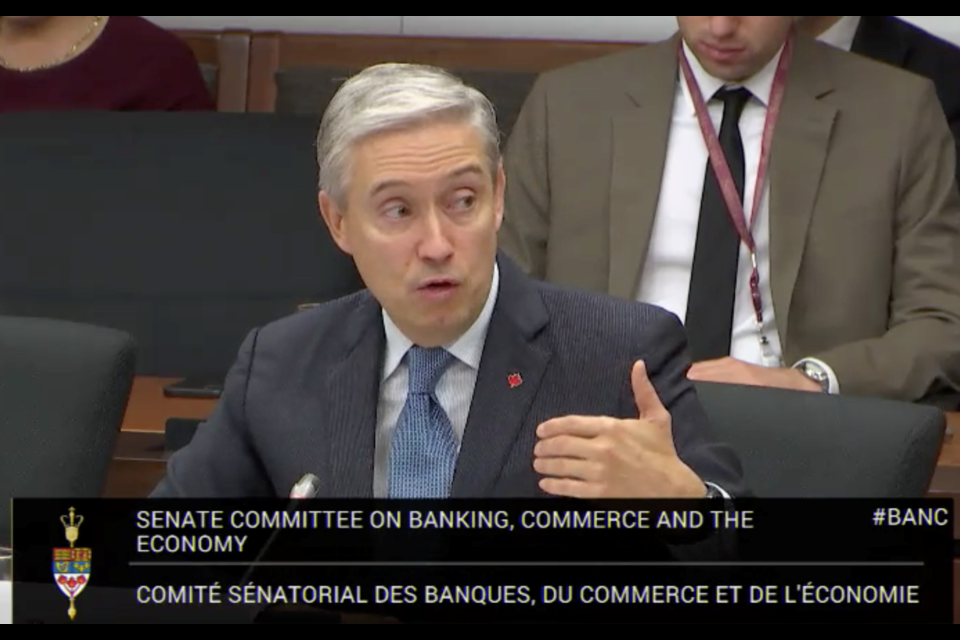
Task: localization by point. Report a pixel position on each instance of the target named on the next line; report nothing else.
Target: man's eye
(465, 202)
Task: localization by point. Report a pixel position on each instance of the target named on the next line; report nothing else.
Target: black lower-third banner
(504, 561)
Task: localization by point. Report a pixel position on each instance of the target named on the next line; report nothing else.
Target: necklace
(69, 54)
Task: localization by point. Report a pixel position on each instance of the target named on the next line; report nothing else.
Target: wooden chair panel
(272, 52)
(224, 58)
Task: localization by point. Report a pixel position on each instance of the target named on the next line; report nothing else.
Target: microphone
(306, 487)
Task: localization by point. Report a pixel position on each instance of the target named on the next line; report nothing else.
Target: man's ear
(499, 189)
(332, 215)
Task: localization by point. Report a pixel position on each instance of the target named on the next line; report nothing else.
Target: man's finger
(728, 375)
(713, 361)
(648, 402)
(711, 365)
(569, 468)
(570, 488)
(566, 446)
(714, 376)
(582, 426)
(704, 374)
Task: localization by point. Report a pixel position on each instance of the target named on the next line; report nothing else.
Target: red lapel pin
(514, 380)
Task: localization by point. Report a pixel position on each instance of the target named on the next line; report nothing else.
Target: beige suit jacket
(864, 209)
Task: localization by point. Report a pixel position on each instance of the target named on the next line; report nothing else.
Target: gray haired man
(453, 374)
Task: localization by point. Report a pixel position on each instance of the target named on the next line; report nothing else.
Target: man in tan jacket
(853, 247)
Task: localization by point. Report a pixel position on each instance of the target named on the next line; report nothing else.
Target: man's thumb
(648, 402)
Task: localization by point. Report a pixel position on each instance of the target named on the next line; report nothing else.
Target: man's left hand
(733, 371)
(602, 457)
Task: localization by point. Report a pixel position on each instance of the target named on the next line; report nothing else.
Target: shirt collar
(842, 34)
(759, 85)
(468, 348)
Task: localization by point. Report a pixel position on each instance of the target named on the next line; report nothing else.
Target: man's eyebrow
(475, 169)
(470, 169)
(385, 184)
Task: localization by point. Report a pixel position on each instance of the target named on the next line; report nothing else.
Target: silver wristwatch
(816, 373)
(712, 492)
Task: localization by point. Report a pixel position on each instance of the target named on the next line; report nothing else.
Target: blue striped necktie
(423, 450)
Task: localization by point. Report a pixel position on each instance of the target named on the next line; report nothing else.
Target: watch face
(818, 376)
(813, 372)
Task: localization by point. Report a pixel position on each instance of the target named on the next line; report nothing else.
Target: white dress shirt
(6, 602)
(454, 389)
(841, 34)
(669, 261)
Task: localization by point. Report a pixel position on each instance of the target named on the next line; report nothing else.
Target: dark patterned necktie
(713, 281)
(423, 450)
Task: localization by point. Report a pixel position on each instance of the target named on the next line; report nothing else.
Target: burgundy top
(133, 65)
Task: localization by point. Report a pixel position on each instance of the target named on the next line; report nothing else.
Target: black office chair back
(806, 445)
(63, 393)
(185, 229)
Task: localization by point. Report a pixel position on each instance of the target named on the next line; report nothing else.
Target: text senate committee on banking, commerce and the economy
(442, 519)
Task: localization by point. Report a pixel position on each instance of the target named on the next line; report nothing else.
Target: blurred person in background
(900, 44)
(636, 175)
(115, 63)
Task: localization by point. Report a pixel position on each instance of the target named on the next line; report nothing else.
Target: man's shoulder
(862, 75)
(617, 60)
(605, 70)
(932, 43)
(589, 312)
(867, 90)
(326, 321)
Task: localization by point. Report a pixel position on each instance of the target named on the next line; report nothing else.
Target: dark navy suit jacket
(303, 394)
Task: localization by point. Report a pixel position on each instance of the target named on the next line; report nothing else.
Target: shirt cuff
(834, 383)
(719, 490)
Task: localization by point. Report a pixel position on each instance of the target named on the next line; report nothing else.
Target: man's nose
(435, 244)
(724, 26)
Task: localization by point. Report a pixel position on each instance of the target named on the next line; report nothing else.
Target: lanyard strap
(722, 168)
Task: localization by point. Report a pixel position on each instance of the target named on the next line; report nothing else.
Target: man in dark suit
(901, 44)
(453, 374)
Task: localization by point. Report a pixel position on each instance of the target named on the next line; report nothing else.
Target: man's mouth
(721, 52)
(437, 283)
(437, 286)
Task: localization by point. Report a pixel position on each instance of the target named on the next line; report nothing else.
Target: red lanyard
(722, 168)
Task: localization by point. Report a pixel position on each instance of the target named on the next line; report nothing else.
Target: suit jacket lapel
(798, 154)
(640, 136)
(879, 38)
(350, 416)
(514, 345)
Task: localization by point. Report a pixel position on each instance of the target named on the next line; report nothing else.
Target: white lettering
(180, 519)
(395, 594)
(865, 594)
(680, 520)
(296, 520)
(585, 519)
(296, 594)
(917, 517)
(482, 595)
(191, 544)
(459, 520)
(648, 594)
(195, 594)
